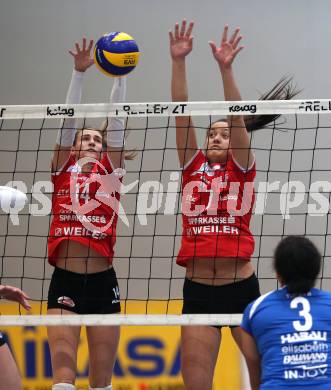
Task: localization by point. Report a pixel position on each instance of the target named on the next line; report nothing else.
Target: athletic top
(212, 197)
(83, 207)
(293, 337)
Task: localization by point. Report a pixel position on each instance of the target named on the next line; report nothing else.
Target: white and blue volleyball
(11, 199)
(116, 54)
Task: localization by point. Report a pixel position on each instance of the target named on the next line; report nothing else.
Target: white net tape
(166, 109)
(121, 319)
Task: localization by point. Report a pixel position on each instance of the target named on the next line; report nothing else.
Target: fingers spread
(90, 45)
(189, 30)
(234, 35)
(183, 28)
(213, 46)
(225, 34)
(237, 51)
(236, 41)
(176, 31)
(171, 37)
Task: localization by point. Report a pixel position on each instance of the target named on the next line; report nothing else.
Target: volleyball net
(292, 191)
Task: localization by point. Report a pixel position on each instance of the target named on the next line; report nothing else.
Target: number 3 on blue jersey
(305, 313)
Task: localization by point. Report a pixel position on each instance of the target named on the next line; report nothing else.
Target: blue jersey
(293, 336)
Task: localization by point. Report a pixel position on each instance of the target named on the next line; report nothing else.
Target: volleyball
(116, 54)
(12, 199)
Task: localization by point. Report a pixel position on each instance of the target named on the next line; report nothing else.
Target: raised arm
(116, 126)
(181, 42)
(66, 134)
(225, 55)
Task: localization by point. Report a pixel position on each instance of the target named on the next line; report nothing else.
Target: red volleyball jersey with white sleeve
(85, 207)
(217, 202)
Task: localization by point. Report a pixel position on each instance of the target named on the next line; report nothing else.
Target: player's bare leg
(63, 342)
(103, 343)
(199, 351)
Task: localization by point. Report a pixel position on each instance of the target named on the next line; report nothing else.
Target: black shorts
(226, 299)
(96, 293)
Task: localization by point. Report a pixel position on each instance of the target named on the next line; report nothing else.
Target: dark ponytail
(283, 90)
(300, 286)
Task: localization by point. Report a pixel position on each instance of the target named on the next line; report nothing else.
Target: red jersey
(217, 202)
(83, 207)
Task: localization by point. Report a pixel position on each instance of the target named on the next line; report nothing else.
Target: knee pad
(110, 387)
(63, 386)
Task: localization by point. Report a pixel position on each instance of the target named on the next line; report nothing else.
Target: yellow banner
(148, 357)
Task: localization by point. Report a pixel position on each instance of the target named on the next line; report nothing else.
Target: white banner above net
(165, 109)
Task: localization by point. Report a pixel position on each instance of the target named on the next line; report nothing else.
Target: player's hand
(82, 56)
(16, 295)
(228, 50)
(181, 40)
